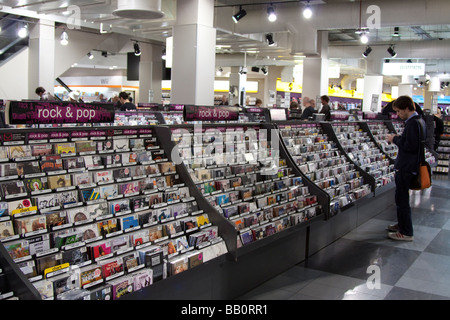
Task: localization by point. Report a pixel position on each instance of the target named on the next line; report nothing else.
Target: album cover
(17, 249)
(45, 289)
(79, 179)
(90, 194)
(143, 156)
(230, 211)
(137, 171)
(172, 228)
(99, 249)
(108, 191)
(120, 243)
(131, 260)
(139, 202)
(27, 167)
(55, 218)
(121, 286)
(189, 223)
(162, 213)
(170, 196)
(151, 169)
(136, 143)
(61, 285)
(103, 176)
(178, 209)
(153, 257)
(102, 292)
(177, 265)
(119, 206)
(75, 256)
(167, 167)
(140, 237)
(8, 169)
(67, 197)
(107, 226)
(38, 150)
(73, 163)
(29, 224)
(87, 232)
(28, 268)
(65, 148)
(85, 146)
(13, 187)
(6, 229)
(90, 274)
(122, 173)
(128, 222)
(46, 262)
(142, 279)
(120, 144)
(97, 210)
(111, 267)
(150, 142)
(65, 237)
(36, 184)
(247, 237)
(51, 163)
(106, 145)
(59, 181)
(4, 209)
(22, 151)
(92, 161)
(20, 206)
(129, 188)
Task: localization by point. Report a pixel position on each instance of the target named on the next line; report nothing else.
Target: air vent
(139, 9)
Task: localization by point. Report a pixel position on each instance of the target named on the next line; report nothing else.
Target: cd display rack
(364, 152)
(242, 174)
(320, 160)
(97, 213)
(380, 130)
(443, 149)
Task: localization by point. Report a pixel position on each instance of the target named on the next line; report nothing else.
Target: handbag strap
(421, 141)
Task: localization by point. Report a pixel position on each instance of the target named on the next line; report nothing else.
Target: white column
(150, 73)
(194, 42)
(270, 84)
(373, 88)
(315, 69)
(405, 88)
(238, 83)
(41, 70)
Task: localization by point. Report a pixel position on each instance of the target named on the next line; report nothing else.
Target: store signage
(49, 112)
(203, 113)
(403, 69)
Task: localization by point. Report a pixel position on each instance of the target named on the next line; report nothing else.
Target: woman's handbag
(422, 180)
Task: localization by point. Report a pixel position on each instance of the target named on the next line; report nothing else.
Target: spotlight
(219, 72)
(396, 32)
(409, 61)
(23, 32)
(307, 12)
(364, 38)
(238, 16)
(269, 39)
(137, 49)
(392, 51)
(264, 71)
(367, 52)
(164, 55)
(64, 38)
(90, 56)
(105, 54)
(272, 16)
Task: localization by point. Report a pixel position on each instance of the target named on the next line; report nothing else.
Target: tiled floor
(366, 265)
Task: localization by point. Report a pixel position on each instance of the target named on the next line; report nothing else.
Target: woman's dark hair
(123, 95)
(39, 90)
(403, 103)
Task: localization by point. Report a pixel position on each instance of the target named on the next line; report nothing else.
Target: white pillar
(405, 88)
(270, 85)
(373, 88)
(41, 70)
(150, 73)
(194, 45)
(315, 69)
(238, 87)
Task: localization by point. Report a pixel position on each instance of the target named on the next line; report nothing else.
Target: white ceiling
(249, 34)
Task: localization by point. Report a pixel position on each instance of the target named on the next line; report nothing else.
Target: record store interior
(224, 150)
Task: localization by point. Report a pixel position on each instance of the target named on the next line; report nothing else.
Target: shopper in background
(258, 103)
(326, 110)
(406, 164)
(295, 111)
(224, 101)
(44, 95)
(308, 110)
(126, 105)
(438, 127)
(101, 97)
